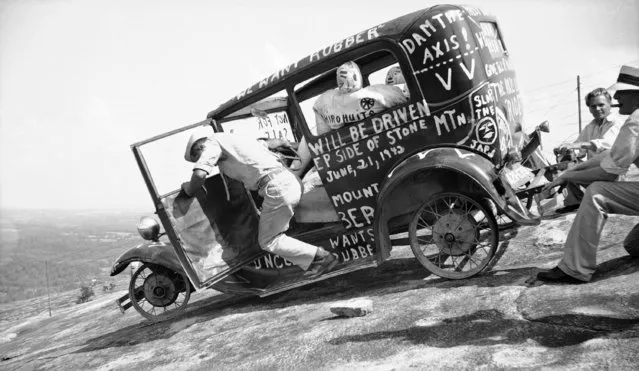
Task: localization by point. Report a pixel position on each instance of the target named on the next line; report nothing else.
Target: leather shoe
(557, 275)
(323, 262)
(566, 209)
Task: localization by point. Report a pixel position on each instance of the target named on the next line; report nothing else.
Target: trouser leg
(631, 243)
(600, 199)
(281, 195)
(574, 194)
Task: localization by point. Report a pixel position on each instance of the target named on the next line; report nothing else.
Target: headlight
(149, 228)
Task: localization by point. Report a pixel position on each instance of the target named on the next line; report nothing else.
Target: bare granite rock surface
(501, 319)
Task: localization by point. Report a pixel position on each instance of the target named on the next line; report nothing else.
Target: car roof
(394, 30)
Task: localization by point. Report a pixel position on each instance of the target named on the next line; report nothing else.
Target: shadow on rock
(489, 327)
(505, 237)
(147, 331)
(394, 276)
(621, 266)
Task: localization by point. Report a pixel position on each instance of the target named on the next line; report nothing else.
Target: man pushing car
(252, 163)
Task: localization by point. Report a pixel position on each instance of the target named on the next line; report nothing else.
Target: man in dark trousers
(251, 162)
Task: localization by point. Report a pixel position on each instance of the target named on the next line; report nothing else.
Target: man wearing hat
(259, 169)
(604, 196)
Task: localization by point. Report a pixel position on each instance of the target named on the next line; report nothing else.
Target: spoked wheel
(453, 236)
(158, 293)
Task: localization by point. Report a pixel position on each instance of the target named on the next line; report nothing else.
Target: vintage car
(438, 168)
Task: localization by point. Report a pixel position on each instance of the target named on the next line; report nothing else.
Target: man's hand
(558, 181)
(280, 142)
(188, 191)
(565, 147)
(184, 189)
(578, 145)
(196, 184)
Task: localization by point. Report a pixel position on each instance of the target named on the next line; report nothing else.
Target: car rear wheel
(453, 236)
(158, 293)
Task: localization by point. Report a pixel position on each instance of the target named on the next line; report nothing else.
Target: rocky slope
(499, 320)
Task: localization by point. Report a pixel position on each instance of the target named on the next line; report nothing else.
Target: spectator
(595, 138)
(603, 196)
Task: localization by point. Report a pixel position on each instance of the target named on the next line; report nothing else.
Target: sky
(81, 80)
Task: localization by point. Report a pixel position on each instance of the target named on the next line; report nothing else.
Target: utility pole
(46, 273)
(579, 100)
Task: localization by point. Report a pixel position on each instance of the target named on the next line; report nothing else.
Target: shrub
(86, 292)
(108, 287)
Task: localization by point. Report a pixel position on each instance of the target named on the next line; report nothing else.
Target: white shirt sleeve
(624, 150)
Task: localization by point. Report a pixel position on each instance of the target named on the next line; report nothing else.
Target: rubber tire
(164, 316)
(414, 245)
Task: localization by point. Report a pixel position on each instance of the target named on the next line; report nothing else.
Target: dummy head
(349, 77)
(394, 76)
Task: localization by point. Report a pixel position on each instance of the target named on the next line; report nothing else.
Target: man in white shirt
(252, 163)
(595, 138)
(603, 196)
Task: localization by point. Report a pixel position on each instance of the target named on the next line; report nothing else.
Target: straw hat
(198, 133)
(628, 78)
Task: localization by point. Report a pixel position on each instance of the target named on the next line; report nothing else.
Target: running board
(365, 263)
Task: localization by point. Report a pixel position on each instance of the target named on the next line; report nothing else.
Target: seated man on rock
(603, 196)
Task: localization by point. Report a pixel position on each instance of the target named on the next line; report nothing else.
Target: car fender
(160, 253)
(456, 159)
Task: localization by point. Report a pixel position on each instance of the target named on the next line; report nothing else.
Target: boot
(558, 276)
(323, 262)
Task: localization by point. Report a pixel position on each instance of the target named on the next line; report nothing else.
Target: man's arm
(593, 162)
(297, 167)
(583, 140)
(589, 146)
(586, 175)
(197, 181)
(203, 167)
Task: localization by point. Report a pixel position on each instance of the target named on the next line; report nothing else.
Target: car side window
(342, 98)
